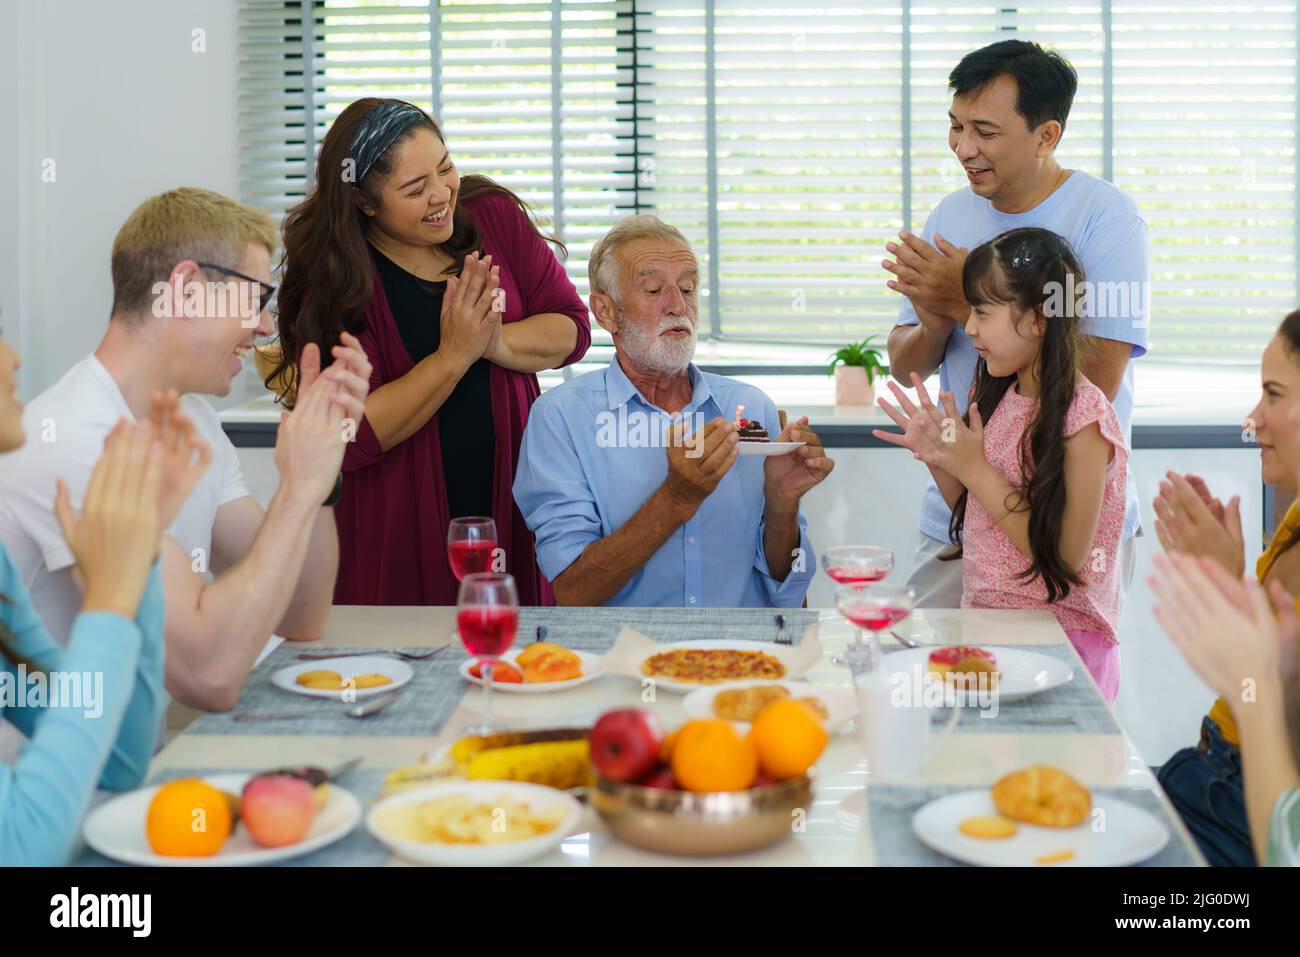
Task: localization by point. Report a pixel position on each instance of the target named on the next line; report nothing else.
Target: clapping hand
(928, 275)
(937, 437)
(1225, 626)
(1189, 520)
(115, 539)
(471, 325)
(184, 455)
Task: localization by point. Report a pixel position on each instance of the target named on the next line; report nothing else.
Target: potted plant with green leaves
(855, 368)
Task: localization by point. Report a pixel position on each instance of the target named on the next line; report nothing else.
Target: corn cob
(557, 764)
(464, 750)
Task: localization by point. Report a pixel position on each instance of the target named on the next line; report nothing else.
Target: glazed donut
(1044, 796)
(963, 664)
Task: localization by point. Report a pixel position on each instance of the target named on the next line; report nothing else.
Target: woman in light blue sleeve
(1245, 643)
(91, 711)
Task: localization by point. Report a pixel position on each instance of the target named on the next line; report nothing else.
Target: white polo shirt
(66, 427)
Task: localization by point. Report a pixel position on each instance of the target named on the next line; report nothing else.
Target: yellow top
(1287, 532)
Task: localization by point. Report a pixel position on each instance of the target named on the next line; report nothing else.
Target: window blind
(790, 142)
(1205, 140)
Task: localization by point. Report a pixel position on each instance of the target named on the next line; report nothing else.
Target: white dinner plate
(592, 668)
(1116, 834)
(535, 796)
(841, 703)
(1022, 673)
(737, 644)
(397, 671)
(116, 829)
(767, 448)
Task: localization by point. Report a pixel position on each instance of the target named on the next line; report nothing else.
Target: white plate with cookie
(740, 701)
(967, 827)
(356, 677)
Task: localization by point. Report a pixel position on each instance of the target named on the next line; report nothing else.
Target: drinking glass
(487, 617)
(876, 608)
(849, 564)
(471, 543)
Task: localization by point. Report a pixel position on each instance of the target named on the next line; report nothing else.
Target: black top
(466, 431)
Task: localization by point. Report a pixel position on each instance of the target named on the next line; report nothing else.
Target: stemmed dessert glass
(848, 564)
(874, 607)
(471, 542)
(487, 617)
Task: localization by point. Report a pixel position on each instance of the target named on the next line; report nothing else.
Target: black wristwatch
(334, 495)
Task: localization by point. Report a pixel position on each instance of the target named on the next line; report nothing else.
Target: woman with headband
(458, 301)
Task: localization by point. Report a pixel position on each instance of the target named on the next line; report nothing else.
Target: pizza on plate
(709, 666)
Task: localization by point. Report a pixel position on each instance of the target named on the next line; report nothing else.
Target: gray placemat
(426, 702)
(594, 629)
(891, 808)
(1075, 707)
(435, 690)
(358, 849)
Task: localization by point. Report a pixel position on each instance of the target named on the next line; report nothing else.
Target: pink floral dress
(1090, 613)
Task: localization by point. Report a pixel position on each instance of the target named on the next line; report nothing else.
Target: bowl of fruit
(705, 788)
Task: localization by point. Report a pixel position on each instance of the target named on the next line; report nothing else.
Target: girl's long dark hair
(1027, 269)
(327, 274)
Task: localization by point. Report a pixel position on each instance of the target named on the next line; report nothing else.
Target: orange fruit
(711, 756)
(188, 818)
(666, 749)
(789, 739)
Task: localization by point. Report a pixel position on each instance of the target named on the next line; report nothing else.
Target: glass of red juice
(875, 608)
(471, 545)
(849, 564)
(487, 617)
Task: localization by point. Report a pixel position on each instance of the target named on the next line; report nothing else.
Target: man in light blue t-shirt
(1010, 103)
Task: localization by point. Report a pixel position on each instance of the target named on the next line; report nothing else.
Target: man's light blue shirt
(593, 452)
(1106, 231)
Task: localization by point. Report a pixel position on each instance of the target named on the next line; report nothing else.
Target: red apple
(278, 809)
(661, 779)
(625, 744)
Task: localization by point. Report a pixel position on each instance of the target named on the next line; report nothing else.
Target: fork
(364, 710)
(781, 637)
(409, 655)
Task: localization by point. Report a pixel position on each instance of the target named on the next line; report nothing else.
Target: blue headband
(378, 131)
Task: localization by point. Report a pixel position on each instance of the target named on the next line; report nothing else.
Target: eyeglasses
(266, 291)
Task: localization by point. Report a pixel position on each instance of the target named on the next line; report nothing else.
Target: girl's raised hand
(939, 438)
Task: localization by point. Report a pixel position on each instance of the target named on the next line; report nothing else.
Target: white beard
(666, 356)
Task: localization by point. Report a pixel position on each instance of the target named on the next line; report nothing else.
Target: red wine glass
(487, 617)
(472, 546)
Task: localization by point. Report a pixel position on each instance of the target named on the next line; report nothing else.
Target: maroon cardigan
(392, 518)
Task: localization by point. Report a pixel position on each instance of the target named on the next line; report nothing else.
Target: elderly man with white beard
(631, 476)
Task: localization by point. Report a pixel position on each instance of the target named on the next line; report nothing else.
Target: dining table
(853, 820)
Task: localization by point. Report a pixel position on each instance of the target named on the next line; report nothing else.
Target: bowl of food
(466, 823)
(700, 823)
(705, 788)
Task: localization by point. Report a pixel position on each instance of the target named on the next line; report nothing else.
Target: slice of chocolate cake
(749, 430)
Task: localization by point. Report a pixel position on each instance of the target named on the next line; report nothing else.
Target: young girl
(1038, 493)
(106, 736)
